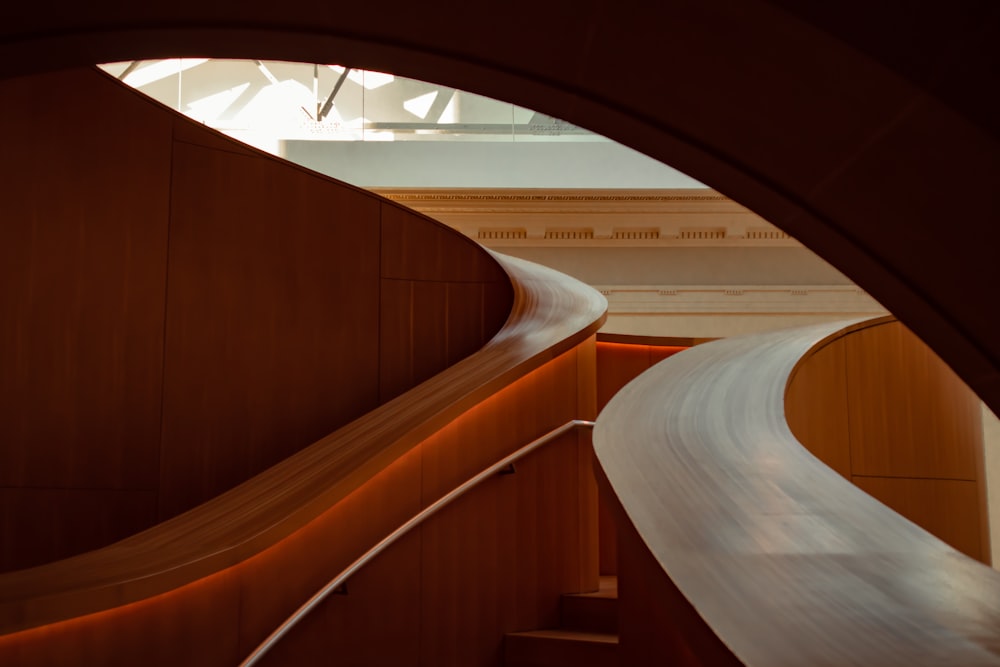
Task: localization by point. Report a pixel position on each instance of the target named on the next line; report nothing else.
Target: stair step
(560, 648)
(592, 612)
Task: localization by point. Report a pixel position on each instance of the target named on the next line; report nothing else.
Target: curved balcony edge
(764, 555)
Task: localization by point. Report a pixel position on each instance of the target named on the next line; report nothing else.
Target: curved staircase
(587, 635)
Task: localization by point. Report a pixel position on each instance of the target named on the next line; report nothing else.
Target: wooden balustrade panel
(816, 406)
(620, 359)
(771, 551)
(277, 538)
(180, 312)
(494, 561)
(82, 281)
(886, 413)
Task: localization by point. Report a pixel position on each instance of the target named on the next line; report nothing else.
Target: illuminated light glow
(450, 113)
(220, 592)
(420, 106)
(370, 80)
(279, 106)
(161, 70)
(208, 109)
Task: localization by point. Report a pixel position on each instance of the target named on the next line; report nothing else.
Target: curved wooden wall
(740, 547)
(620, 359)
(882, 410)
(206, 586)
(180, 312)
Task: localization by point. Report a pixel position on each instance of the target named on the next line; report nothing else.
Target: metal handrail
(392, 537)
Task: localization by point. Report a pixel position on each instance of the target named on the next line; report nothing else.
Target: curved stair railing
(749, 549)
(429, 511)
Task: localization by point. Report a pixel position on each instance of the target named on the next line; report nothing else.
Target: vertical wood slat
(184, 370)
(882, 410)
(264, 319)
(617, 364)
(82, 278)
(908, 411)
(494, 561)
(816, 406)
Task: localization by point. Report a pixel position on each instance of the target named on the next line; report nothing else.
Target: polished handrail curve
(787, 562)
(403, 529)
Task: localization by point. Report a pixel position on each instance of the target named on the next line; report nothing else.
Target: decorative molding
(498, 234)
(749, 299)
(435, 195)
(569, 234)
(619, 218)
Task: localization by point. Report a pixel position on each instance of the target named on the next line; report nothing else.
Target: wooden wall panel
(46, 524)
(495, 561)
(81, 286)
(342, 626)
(81, 304)
(618, 363)
(205, 613)
(882, 410)
(496, 428)
(300, 531)
(467, 330)
(417, 248)
(431, 325)
(497, 299)
(376, 622)
(469, 574)
(395, 338)
(947, 508)
(262, 318)
(816, 406)
(908, 411)
(184, 311)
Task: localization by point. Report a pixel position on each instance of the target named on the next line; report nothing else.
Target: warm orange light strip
(213, 611)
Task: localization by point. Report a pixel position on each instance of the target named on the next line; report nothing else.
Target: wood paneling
(467, 323)
(430, 329)
(46, 524)
(205, 613)
(617, 365)
(82, 279)
(81, 285)
(261, 318)
(620, 359)
(181, 312)
(277, 581)
(816, 406)
(908, 411)
(946, 508)
(879, 408)
(286, 506)
(395, 338)
(417, 248)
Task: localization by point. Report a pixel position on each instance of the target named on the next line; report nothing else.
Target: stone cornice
(501, 218)
(470, 195)
(845, 300)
